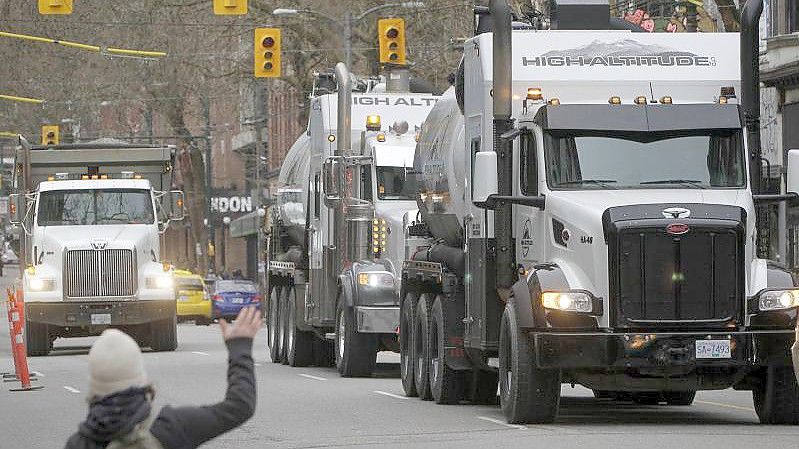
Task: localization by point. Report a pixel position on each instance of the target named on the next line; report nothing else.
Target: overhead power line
(95, 48)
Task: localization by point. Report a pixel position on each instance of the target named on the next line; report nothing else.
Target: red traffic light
(268, 42)
(392, 33)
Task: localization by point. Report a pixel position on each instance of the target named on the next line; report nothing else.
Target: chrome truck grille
(91, 273)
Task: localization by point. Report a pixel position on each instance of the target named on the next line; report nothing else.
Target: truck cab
(92, 229)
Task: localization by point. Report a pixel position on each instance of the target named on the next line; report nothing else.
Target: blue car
(230, 296)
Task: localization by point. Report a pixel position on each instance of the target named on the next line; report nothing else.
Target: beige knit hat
(115, 364)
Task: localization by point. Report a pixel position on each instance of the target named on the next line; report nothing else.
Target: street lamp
(347, 21)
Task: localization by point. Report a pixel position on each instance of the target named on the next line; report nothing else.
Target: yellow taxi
(192, 297)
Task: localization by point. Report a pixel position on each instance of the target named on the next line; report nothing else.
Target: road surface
(314, 408)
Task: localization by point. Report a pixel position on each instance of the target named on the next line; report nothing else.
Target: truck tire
(776, 399)
(37, 339)
(356, 353)
(164, 335)
(273, 325)
(406, 336)
(527, 394)
(323, 353)
(446, 384)
(299, 344)
(683, 398)
(484, 387)
(421, 332)
(283, 327)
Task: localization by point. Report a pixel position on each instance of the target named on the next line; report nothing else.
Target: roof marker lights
(666, 100)
(723, 100)
(641, 100)
(535, 94)
(614, 100)
(381, 137)
(373, 123)
(554, 102)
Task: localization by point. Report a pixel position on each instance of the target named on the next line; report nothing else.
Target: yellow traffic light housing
(266, 53)
(55, 6)
(50, 134)
(391, 37)
(230, 7)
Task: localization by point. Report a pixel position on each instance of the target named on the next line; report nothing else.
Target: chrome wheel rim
(341, 329)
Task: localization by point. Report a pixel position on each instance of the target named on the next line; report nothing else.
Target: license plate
(101, 318)
(237, 300)
(183, 298)
(713, 349)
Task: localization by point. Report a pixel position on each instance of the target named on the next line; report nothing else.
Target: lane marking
(312, 377)
(391, 395)
(721, 404)
(501, 423)
(200, 353)
(37, 373)
(71, 389)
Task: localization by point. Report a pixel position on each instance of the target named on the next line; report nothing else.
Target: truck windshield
(708, 160)
(395, 183)
(95, 207)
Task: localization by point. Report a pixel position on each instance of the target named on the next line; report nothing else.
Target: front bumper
(89, 313)
(194, 309)
(377, 320)
(655, 352)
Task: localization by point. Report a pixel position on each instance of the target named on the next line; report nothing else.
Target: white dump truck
(589, 197)
(91, 217)
(337, 239)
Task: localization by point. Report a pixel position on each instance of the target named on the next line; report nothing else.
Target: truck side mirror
(16, 208)
(792, 184)
(485, 164)
(176, 207)
(331, 174)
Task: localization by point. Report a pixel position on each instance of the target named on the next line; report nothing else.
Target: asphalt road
(314, 408)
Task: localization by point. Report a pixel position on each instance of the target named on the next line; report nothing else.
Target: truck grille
(104, 273)
(664, 280)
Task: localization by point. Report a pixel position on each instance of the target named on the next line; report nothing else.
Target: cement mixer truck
(589, 202)
(337, 240)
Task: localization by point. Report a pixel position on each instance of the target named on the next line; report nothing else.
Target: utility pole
(211, 234)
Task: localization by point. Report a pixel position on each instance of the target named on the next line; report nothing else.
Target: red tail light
(257, 298)
(217, 298)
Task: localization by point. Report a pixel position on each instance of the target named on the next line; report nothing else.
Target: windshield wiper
(685, 182)
(597, 182)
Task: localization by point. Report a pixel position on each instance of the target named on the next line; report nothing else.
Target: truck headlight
(778, 299)
(160, 282)
(376, 279)
(568, 301)
(38, 284)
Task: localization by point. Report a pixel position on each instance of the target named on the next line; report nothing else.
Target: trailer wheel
(446, 384)
(356, 353)
(164, 335)
(406, 341)
(683, 398)
(284, 325)
(299, 344)
(484, 387)
(527, 394)
(421, 332)
(273, 325)
(776, 399)
(37, 339)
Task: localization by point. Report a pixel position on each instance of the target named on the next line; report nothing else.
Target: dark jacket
(189, 427)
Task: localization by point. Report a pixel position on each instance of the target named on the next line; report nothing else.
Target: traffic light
(55, 6)
(49, 134)
(266, 53)
(391, 36)
(230, 7)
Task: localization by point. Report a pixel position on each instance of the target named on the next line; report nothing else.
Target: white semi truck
(91, 218)
(589, 200)
(337, 239)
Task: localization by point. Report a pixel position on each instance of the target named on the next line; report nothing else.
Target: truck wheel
(484, 387)
(406, 336)
(421, 336)
(299, 344)
(446, 384)
(776, 399)
(527, 394)
(273, 320)
(323, 353)
(164, 335)
(356, 353)
(37, 339)
(283, 333)
(679, 397)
